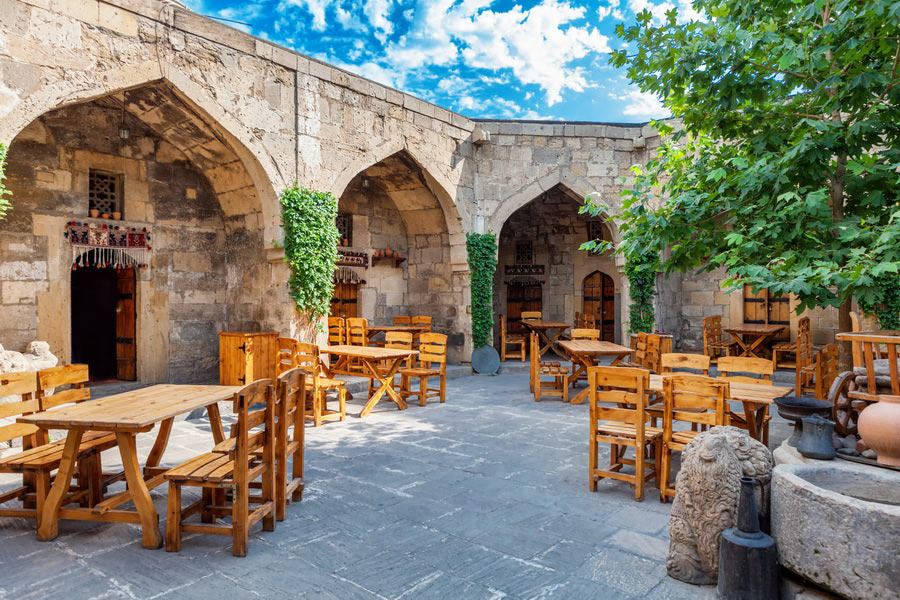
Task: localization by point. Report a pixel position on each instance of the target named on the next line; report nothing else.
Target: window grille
(524, 253)
(344, 223)
(105, 191)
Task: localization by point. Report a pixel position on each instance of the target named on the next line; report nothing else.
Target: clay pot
(879, 427)
(94, 213)
(117, 216)
(104, 216)
(388, 252)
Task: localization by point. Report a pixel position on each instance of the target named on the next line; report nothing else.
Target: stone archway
(541, 240)
(203, 196)
(396, 205)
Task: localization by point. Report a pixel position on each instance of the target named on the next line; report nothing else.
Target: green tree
(4, 203)
(482, 250)
(783, 165)
(310, 249)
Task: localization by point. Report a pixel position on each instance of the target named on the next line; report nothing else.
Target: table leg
(552, 342)
(750, 410)
(740, 341)
(387, 386)
(758, 344)
(159, 446)
(49, 526)
(618, 359)
(585, 364)
(140, 495)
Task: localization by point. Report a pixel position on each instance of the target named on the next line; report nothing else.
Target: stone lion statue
(707, 495)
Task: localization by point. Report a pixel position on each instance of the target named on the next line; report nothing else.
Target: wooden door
(126, 355)
(599, 300)
(767, 308)
(343, 303)
(522, 297)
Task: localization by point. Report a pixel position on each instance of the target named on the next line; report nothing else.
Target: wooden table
(757, 335)
(126, 415)
(370, 357)
(374, 330)
(584, 354)
(753, 396)
(545, 330)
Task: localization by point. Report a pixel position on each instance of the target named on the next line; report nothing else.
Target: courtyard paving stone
(484, 496)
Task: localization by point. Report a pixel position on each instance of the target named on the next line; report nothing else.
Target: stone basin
(837, 524)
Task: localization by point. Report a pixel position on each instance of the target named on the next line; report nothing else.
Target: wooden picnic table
(544, 329)
(584, 354)
(751, 337)
(754, 397)
(126, 415)
(370, 357)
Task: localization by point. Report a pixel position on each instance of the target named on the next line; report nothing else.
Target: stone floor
(482, 497)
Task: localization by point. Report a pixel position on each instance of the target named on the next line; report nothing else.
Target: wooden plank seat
(217, 473)
(48, 456)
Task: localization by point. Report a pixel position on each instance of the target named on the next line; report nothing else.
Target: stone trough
(837, 524)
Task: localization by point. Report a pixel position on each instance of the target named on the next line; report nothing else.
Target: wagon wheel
(842, 413)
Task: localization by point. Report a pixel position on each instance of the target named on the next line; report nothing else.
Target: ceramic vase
(879, 427)
(95, 213)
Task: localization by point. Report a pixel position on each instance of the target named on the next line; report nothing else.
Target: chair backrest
(694, 392)
(531, 314)
(254, 406)
(290, 397)
(585, 334)
(805, 353)
(284, 360)
(761, 368)
(422, 320)
(712, 331)
(653, 353)
(308, 360)
(672, 361)
(398, 340)
(26, 386)
(827, 367)
(433, 350)
(626, 388)
(55, 377)
(402, 320)
(502, 320)
(356, 331)
(336, 331)
(534, 354)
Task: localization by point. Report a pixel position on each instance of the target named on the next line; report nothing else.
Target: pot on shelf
(117, 216)
(94, 212)
(879, 427)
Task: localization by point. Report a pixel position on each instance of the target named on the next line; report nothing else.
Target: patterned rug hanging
(95, 245)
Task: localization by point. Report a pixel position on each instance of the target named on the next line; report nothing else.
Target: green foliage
(4, 203)
(887, 309)
(482, 250)
(785, 172)
(310, 247)
(641, 270)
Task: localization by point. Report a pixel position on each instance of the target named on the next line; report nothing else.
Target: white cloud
(379, 12)
(641, 104)
(538, 45)
(316, 8)
(609, 8)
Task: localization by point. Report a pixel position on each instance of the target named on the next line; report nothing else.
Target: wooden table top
(594, 347)
(386, 328)
(755, 329)
(136, 410)
(752, 392)
(368, 351)
(542, 324)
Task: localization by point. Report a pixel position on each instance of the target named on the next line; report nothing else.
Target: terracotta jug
(879, 427)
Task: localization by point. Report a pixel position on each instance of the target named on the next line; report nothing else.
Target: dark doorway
(522, 296)
(599, 292)
(103, 321)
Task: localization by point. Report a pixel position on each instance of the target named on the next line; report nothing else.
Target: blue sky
(537, 59)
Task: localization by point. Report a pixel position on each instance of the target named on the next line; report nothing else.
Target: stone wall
(181, 296)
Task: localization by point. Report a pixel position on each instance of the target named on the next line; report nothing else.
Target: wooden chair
(287, 350)
(672, 362)
(690, 392)
(714, 341)
(618, 399)
(251, 456)
(397, 340)
(517, 340)
(653, 353)
(756, 370)
(530, 314)
(357, 335)
(318, 383)
(336, 331)
(290, 393)
(560, 374)
(827, 368)
(432, 363)
(805, 371)
(584, 333)
(779, 349)
(402, 320)
(422, 320)
(638, 358)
